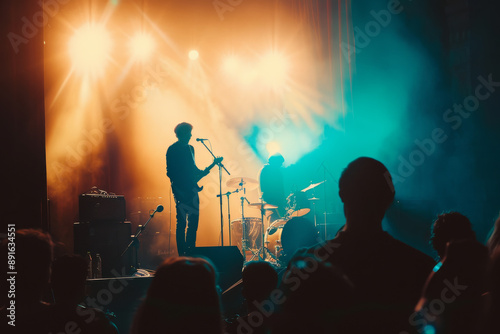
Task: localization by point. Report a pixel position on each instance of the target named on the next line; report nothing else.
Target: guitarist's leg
(180, 230)
(192, 225)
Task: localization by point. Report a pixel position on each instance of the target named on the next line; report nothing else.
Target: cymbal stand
(262, 254)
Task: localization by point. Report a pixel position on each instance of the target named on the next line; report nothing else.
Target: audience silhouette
(68, 278)
(362, 281)
(33, 258)
(453, 299)
(317, 298)
(450, 227)
(494, 287)
(494, 239)
(297, 233)
(182, 298)
(259, 280)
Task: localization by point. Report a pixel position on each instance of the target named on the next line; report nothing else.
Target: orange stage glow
(141, 46)
(111, 129)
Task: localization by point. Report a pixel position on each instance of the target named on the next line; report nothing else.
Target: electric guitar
(205, 172)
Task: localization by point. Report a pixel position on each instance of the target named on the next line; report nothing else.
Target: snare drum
(253, 233)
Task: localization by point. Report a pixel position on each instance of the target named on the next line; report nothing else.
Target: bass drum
(285, 236)
(253, 232)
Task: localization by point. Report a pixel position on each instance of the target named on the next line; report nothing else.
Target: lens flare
(193, 54)
(273, 147)
(141, 46)
(273, 69)
(89, 49)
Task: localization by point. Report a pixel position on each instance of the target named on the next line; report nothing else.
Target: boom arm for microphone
(140, 229)
(201, 139)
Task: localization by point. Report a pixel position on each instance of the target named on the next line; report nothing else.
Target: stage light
(141, 46)
(273, 69)
(89, 49)
(193, 54)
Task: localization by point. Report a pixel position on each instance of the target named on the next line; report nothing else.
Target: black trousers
(188, 214)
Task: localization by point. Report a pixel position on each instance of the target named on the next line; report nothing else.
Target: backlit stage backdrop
(255, 77)
(321, 81)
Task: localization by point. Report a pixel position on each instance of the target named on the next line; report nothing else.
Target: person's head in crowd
(297, 233)
(182, 297)
(449, 227)
(259, 279)
(33, 257)
(367, 191)
(494, 239)
(69, 273)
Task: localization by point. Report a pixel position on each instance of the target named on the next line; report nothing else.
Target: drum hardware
(297, 204)
(260, 205)
(312, 186)
(245, 182)
(313, 201)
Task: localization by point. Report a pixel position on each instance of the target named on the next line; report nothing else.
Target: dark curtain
(24, 194)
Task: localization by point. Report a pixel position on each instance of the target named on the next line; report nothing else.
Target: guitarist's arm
(206, 171)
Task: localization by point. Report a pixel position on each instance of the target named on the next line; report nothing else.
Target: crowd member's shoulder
(406, 251)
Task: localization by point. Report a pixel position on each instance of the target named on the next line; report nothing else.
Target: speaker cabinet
(108, 240)
(101, 208)
(227, 260)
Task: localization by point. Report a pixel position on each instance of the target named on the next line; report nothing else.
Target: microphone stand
(220, 192)
(135, 238)
(229, 212)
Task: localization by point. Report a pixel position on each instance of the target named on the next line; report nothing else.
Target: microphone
(201, 139)
(159, 208)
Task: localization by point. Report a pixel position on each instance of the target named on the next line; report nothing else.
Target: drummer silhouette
(272, 185)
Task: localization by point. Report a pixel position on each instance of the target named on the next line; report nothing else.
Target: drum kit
(247, 233)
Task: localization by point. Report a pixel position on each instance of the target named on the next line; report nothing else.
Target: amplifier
(109, 240)
(101, 208)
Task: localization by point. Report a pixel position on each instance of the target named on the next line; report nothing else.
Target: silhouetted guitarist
(184, 175)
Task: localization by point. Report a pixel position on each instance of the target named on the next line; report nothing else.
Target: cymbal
(258, 205)
(313, 185)
(313, 199)
(246, 182)
(299, 212)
